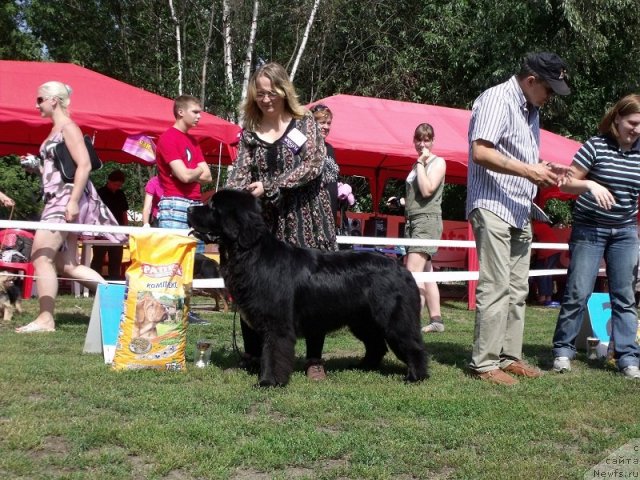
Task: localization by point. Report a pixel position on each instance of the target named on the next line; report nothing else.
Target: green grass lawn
(64, 414)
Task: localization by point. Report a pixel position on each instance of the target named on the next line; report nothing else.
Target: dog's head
(231, 216)
(7, 280)
(149, 309)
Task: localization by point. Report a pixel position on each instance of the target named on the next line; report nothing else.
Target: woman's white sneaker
(632, 372)
(561, 364)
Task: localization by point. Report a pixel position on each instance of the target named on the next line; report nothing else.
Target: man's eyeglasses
(262, 95)
(39, 100)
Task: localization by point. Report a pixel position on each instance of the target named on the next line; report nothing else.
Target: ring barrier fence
(440, 276)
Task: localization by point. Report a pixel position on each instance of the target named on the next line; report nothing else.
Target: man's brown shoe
(523, 369)
(316, 372)
(497, 377)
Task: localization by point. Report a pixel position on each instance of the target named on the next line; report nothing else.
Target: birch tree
(250, 46)
(178, 45)
(227, 45)
(305, 37)
(207, 48)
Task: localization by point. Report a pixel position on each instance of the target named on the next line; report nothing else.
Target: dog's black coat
(285, 292)
(205, 267)
(14, 292)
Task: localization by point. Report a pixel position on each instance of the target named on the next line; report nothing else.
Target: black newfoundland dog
(284, 292)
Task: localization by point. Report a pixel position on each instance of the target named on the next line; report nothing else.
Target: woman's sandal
(34, 328)
(434, 327)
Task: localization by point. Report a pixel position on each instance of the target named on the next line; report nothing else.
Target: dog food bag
(152, 331)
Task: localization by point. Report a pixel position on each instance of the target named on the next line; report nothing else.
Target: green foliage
(559, 211)
(453, 199)
(16, 42)
(361, 192)
(22, 187)
(443, 52)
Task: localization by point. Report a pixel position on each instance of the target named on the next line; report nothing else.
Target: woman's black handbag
(63, 160)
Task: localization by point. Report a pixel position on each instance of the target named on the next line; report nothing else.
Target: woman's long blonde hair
(281, 85)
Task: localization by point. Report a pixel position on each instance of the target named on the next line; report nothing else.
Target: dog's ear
(229, 224)
(238, 227)
(252, 227)
(241, 217)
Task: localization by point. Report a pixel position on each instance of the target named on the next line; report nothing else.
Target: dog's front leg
(8, 311)
(278, 358)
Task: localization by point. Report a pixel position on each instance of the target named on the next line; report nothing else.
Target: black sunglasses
(39, 100)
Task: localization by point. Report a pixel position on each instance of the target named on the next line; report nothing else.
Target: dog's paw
(412, 377)
(268, 383)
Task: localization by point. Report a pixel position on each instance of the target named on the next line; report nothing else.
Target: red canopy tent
(373, 137)
(108, 108)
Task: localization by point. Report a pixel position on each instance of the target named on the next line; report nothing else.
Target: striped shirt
(618, 172)
(500, 115)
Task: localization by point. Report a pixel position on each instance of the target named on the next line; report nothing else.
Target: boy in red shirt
(181, 166)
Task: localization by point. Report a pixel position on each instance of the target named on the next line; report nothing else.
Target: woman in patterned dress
(76, 202)
(281, 158)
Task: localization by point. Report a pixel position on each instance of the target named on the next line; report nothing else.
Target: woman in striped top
(606, 176)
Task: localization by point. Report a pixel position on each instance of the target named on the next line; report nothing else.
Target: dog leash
(234, 335)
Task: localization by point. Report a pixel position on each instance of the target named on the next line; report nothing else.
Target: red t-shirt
(176, 145)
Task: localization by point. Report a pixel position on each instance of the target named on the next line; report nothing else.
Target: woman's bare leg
(67, 263)
(429, 292)
(46, 245)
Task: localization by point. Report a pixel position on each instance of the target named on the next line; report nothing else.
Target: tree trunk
(305, 37)
(178, 45)
(226, 29)
(207, 48)
(250, 45)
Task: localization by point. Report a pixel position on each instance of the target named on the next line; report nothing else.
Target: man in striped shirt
(505, 172)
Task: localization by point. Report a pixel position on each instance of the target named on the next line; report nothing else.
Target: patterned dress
(57, 194)
(330, 177)
(296, 204)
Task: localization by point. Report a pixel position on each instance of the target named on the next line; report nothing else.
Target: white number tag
(295, 140)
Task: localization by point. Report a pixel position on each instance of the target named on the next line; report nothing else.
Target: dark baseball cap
(550, 68)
